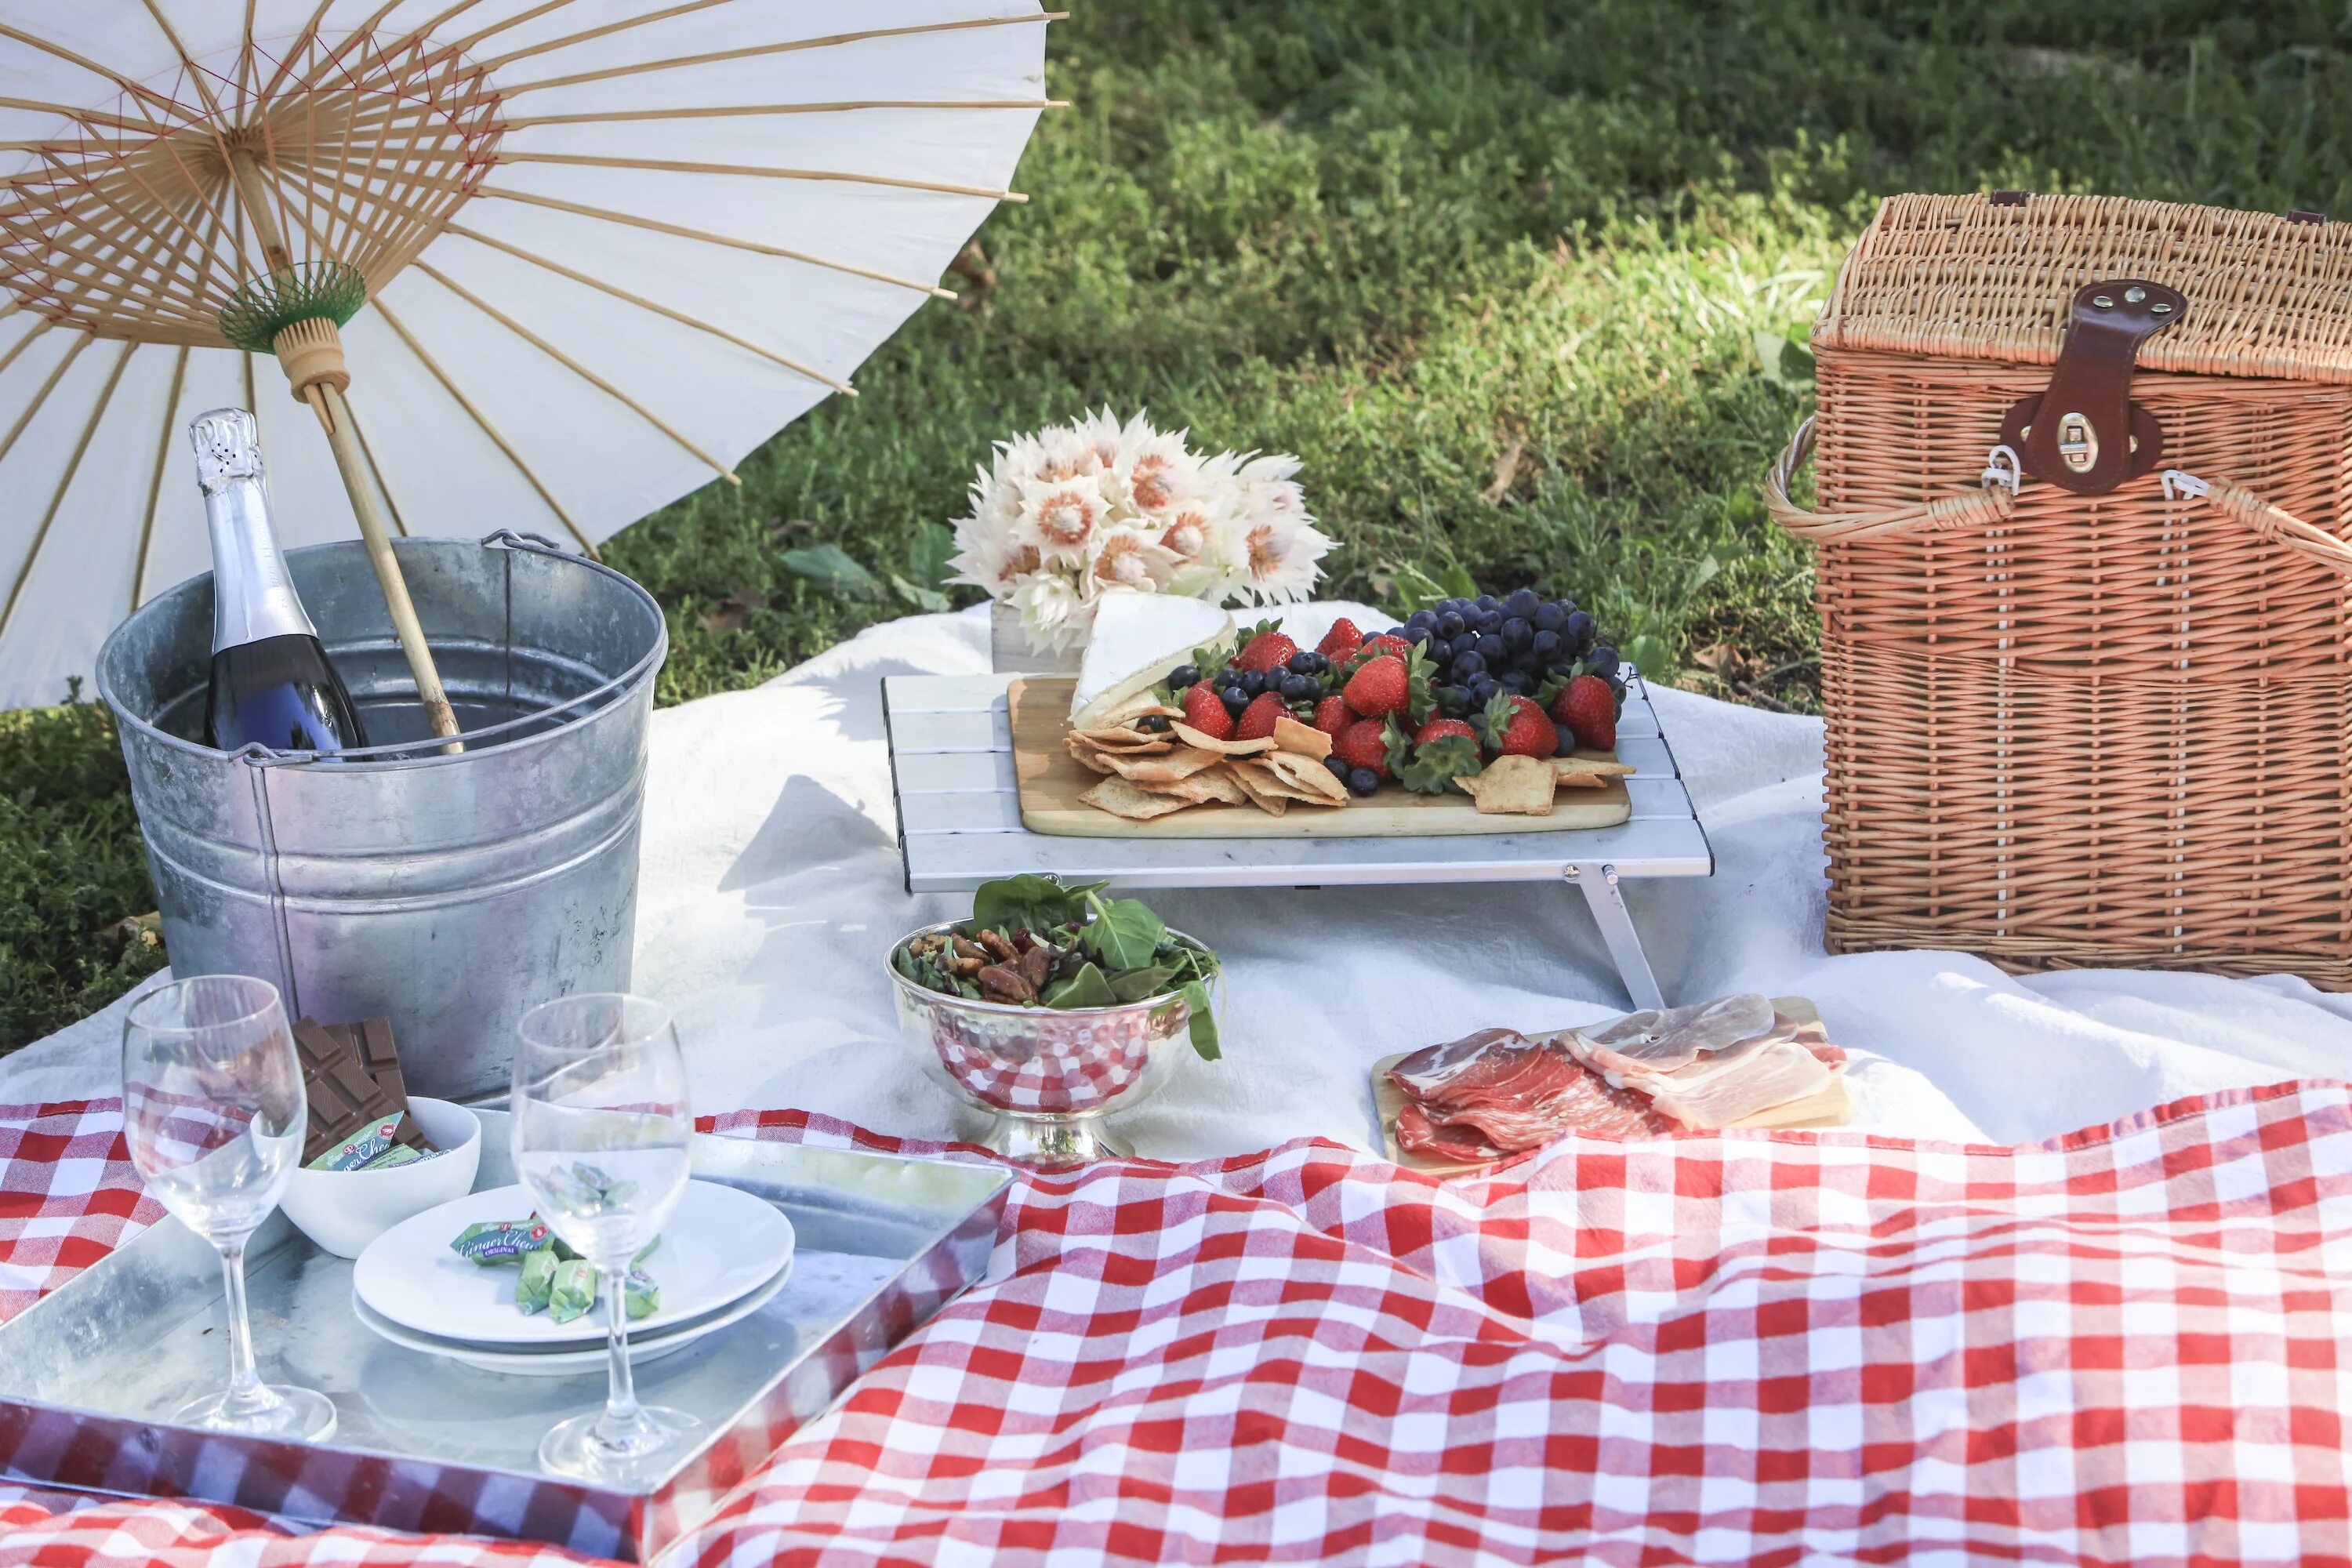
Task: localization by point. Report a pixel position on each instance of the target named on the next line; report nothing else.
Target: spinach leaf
(1135, 984)
(1124, 933)
(1086, 988)
(1028, 904)
(1203, 1025)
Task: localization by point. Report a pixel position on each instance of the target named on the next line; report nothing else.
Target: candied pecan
(966, 948)
(1001, 982)
(1037, 967)
(998, 948)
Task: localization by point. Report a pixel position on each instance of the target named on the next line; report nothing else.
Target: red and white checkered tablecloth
(2128, 1345)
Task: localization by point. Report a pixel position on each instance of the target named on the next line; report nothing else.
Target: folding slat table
(959, 826)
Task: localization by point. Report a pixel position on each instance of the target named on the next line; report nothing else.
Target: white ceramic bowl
(342, 1211)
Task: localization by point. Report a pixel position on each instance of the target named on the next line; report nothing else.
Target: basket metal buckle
(2001, 469)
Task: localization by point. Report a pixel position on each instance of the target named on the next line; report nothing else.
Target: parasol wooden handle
(312, 354)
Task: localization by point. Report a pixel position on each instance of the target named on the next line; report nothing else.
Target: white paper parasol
(608, 247)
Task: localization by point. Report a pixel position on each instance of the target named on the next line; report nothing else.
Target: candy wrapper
(641, 1295)
(537, 1281)
(572, 1290)
(500, 1241)
(366, 1143)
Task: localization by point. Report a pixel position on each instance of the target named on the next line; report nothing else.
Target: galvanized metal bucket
(448, 893)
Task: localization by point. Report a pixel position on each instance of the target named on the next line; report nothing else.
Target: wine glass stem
(245, 1393)
(621, 1418)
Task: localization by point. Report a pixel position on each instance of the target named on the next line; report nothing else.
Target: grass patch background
(1525, 282)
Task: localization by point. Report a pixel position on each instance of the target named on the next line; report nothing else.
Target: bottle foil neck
(253, 594)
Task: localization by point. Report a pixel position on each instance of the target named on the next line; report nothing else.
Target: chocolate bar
(344, 1095)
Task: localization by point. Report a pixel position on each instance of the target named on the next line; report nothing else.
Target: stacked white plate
(724, 1255)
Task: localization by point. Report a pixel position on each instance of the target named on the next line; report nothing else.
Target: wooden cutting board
(1050, 781)
(1831, 1108)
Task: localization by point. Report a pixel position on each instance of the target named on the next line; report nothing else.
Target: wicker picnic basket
(2082, 470)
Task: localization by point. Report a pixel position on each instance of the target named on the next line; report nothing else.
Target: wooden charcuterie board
(1831, 1108)
(1050, 781)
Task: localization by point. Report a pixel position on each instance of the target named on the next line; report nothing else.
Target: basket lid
(1973, 277)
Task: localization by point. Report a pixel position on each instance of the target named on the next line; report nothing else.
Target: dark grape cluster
(1300, 681)
(1517, 643)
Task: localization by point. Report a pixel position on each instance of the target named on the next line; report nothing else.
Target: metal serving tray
(426, 1444)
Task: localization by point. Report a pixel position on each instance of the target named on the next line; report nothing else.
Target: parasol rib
(138, 90)
(639, 68)
(302, 41)
(213, 116)
(8, 441)
(618, 292)
(58, 499)
(734, 111)
(497, 437)
(641, 20)
(575, 366)
(155, 480)
(758, 171)
(756, 246)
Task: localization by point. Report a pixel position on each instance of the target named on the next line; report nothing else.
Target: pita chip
(1520, 786)
(1121, 799)
(1307, 777)
(1305, 739)
(1191, 737)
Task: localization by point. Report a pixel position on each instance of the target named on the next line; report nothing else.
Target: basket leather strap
(1992, 507)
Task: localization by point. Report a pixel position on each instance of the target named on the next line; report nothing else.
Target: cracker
(1517, 786)
(1307, 777)
(1161, 769)
(1135, 804)
(1191, 737)
(1120, 738)
(1214, 786)
(1255, 781)
(1580, 780)
(1305, 739)
(1591, 767)
(1086, 756)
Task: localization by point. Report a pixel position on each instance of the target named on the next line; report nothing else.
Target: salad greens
(1034, 943)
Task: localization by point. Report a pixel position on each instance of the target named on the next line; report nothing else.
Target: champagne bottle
(271, 682)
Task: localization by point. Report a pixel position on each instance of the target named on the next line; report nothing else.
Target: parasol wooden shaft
(326, 400)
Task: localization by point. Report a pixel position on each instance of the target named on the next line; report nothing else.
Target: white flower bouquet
(1077, 512)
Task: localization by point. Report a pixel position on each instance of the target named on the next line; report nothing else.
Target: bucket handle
(1993, 506)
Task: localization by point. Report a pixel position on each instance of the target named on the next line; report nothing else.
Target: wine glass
(212, 1110)
(600, 1127)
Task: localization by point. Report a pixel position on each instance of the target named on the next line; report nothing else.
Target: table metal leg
(1598, 883)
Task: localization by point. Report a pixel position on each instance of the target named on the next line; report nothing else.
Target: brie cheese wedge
(1138, 639)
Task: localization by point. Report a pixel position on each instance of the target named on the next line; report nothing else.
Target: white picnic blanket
(771, 888)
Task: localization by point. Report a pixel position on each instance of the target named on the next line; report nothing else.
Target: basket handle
(1991, 507)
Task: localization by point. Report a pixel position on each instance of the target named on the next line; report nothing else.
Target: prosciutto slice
(1513, 1093)
(1417, 1132)
(1665, 1039)
(1772, 1076)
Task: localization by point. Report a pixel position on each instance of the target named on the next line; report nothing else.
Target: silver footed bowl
(1048, 1076)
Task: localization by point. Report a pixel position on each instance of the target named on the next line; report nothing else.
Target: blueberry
(1616, 684)
(1548, 617)
(1469, 666)
(1515, 680)
(1440, 651)
(1235, 699)
(1154, 724)
(1450, 624)
(1363, 780)
(1417, 634)
(1545, 644)
(1578, 630)
(1420, 619)
(1602, 660)
(1484, 601)
(1454, 698)
(1523, 602)
(1482, 689)
(1566, 739)
(1516, 633)
(1338, 769)
(1493, 648)
(1301, 689)
(1489, 622)
(1183, 676)
(1301, 664)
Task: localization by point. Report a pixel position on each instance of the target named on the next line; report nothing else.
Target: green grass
(1515, 277)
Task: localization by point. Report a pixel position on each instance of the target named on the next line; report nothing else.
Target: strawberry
(1436, 728)
(1387, 642)
(1205, 712)
(1518, 726)
(1588, 709)
(1333, 715)
(1257, 718)
(1379, 687)
(1265, 651)
(1339, 644)
(1364, 744)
